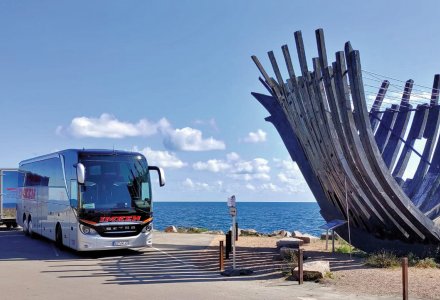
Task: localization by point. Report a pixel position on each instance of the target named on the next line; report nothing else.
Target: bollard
(228, 244)
(405, 278)
(300, 267)
(221, 257)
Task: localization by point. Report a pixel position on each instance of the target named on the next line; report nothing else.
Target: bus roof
(80, 151)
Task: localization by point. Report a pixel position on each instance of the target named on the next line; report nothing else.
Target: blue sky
(173, 79)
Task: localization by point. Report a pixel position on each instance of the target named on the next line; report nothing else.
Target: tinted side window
(44, 173)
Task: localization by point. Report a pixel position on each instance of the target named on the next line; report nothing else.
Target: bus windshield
(115, 182)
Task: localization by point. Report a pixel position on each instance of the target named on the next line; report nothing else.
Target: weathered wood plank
(414, 219)
(375, 114)
(415, 132)
(386, 126)
(394, 143)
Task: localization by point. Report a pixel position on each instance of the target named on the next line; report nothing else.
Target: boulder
(285, 233)
(170, 229)
(313, 270)
(289, 243)
(307, 238)
(296, 233)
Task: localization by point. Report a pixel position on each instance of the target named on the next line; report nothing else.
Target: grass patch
(385, 259)
(426, 263)
(345, 248)
(382, 259)
(289, 263)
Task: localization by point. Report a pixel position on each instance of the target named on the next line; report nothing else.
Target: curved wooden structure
(349, 156)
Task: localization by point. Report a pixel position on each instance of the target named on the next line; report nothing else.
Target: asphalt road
(179, 266)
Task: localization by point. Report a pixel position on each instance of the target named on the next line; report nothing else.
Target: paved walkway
(179, 266)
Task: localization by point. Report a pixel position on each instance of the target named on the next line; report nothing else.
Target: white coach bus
(87, 199)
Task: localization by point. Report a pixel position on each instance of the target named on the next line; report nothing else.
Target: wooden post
(300, 267)
(405, 278)
(221, 257)
(333, 241)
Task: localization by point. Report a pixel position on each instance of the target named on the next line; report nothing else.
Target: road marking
(55, 250)
(175, 258)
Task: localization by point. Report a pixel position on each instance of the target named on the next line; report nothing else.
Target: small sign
(231, 201)
(232, 211)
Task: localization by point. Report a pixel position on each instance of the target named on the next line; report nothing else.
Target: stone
(296, 233)
(170, 229)
(289, 243)
(311, 238)
(285, 233)
(307, 238)
(313, 270)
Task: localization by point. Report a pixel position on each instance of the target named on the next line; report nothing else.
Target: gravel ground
(351, 275)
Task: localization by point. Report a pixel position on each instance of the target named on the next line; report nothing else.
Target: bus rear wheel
(59, 237)
(30, 228)
(25, 225)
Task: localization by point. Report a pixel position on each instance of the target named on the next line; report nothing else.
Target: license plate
(120, 243)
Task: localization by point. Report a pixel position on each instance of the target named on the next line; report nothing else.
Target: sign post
(233, 234)
(233, 213)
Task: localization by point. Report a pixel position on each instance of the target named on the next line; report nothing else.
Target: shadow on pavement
(157, 266)
(164, 263)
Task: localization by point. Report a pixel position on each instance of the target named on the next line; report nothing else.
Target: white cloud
(270, 187)
(257, 168)
(162, 159)
(108, 126)
(190, 139)
(250, 187)
(212, 165)
(196, 186)
(290, 176)
(232, 156)
(256, 137)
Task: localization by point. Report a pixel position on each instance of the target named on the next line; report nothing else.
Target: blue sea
(262, 216)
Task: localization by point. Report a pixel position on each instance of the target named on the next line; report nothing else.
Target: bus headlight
(87, 230)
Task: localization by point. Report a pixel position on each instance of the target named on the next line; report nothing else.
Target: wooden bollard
(221, 257)
(300, 267)
(405, 278)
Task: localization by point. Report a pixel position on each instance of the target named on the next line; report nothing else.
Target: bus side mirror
(80, 173)
(160, 173)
